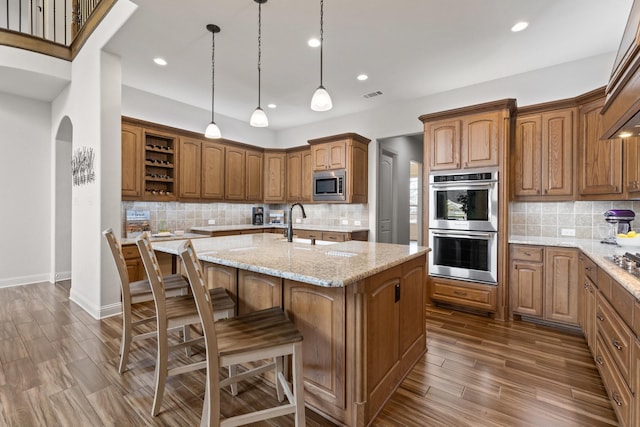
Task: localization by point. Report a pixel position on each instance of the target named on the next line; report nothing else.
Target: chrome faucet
(290, 221)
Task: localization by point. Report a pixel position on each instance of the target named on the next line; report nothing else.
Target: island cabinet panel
(393, 299)
(131, 162)
(600, 161)
(221, 276)
(561, 285)
(213, 171)
(258, 291)
(318, 313)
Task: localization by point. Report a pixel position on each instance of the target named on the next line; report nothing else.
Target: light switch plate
(345, 222)
(356, 222)
(212, 222)
(568, 232)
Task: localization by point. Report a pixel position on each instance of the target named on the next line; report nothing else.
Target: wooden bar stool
(173, 313)
(133, 293)
(265, 334)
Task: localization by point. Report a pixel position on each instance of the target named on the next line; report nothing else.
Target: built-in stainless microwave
(329, 186)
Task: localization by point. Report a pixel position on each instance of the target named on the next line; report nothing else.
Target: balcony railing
(53, 27)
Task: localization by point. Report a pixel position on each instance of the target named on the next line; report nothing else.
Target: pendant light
(259, 118)
(321, 101)
(213, 131)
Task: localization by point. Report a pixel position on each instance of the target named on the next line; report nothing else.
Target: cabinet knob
(599, 360)
(616, 344)
(600, 317)
(616, 398)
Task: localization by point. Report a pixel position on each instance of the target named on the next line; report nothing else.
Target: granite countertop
(335, 265)
(340, 228)
(600, 253)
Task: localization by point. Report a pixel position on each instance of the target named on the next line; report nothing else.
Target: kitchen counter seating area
(360, 307)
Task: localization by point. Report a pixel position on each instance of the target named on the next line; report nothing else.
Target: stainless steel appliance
(619, 222)
(629, 262)
(467, 255)
(330, 186)
(257, 215)
(464, 201)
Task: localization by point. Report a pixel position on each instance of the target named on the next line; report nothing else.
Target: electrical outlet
(568, 232)
(298, 220)
(345, 222)
(212, 222)
(356, 222)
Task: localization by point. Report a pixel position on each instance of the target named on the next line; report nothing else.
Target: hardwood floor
(58, 367)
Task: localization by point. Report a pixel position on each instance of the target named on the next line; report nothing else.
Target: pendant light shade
(213, 131)
(321, 101)
(259, 118)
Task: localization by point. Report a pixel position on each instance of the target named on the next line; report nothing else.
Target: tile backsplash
(548, 219)
(183, 216)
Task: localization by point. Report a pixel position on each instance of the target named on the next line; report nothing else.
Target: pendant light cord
(321, 36)
(259, 47)
(213, 74)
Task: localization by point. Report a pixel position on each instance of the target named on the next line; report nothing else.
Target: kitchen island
(359, 305)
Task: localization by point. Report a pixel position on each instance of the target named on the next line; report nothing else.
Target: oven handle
(464, 185)
(464, 234)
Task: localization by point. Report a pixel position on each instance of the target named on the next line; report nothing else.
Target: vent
(372, 94)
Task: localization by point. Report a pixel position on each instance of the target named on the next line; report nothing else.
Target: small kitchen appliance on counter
(619, 223)
(257, 215)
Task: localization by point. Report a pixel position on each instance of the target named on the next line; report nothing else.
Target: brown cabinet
(329, 155)
(587, 309)
(600, 161)
(275, 167)
(132, 259)
(201, 170)
(235, 174)
(190, 168)
(258, 291)
(544, 283)
(561, 285)
(213, 171)
(332, 236)
(131, 162)
(472, 141)
(632, 167)
(159, 165)
(299, 175)
(254, 175)
(465, 294)
(348, 151)
(526, 279)
(542, 162)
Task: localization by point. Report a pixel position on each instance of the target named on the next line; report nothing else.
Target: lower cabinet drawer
(130, 251)
(472, 295)
(333, 236)
(615, 336)
(617, 389)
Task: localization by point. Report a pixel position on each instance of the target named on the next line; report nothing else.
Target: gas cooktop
(629, 261)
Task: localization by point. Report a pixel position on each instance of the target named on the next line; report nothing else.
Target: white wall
(157, 109)
(25, 193)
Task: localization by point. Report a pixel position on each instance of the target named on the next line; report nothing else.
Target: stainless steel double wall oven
(463, 225)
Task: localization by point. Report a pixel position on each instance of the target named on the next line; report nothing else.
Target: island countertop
(334, 265)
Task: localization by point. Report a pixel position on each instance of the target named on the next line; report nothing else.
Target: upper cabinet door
(234, 173)
(190, 168)
(557, 146)
(444, 144)
(253, 180)
(527, 157)
(213, 170)
(131, 162)
(274, 177)
(600, 160)
(480, 140)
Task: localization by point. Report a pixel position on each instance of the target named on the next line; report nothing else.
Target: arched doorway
(61, 249)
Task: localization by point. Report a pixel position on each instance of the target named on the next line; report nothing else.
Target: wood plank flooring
(58, 367)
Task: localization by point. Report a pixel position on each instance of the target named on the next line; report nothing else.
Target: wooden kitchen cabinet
(258, 291)
(132, 259)
(159, 157)
(132, 162)
(542, 162)
(587, 310)
(275, 168)
(254, 174)
(213, 170)
(201, 165)
(526, 280)
(299, 175)
(470, 141)
(221, 276)
(356, 162)
(561, 285)
(544, 283)
(190, 168)
(235, 174)
(329, 155)
(599, 161)
(632, 167)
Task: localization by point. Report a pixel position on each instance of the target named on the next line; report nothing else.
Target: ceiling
(408, 48)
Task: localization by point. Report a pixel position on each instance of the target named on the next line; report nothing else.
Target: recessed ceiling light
(160, 61)
(272, 105)
(313, 42)
(362, 77)
(519, 26)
